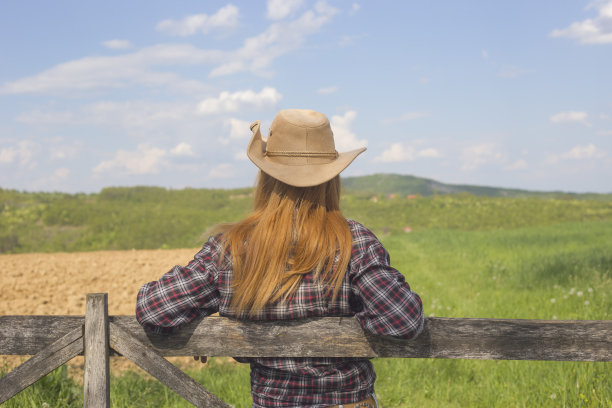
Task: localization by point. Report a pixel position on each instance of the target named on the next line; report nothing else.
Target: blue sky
(512, 94)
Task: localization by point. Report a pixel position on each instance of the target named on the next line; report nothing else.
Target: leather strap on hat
(273, 153)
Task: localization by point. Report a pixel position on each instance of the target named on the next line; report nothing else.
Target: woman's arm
(390, 307)
(182, 294)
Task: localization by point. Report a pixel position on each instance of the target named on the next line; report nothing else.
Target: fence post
(96, 384)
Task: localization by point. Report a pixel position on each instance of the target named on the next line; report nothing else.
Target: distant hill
(405, 185)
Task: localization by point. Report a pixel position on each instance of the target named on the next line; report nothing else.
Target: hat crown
(301, 131)
(300, 149)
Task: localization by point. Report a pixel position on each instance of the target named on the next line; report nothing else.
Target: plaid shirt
(374, 292)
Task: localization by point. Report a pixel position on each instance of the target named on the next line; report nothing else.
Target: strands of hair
(291, 232)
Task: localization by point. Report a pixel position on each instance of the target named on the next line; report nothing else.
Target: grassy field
(153, 217)
(561, 270)
(533, 257)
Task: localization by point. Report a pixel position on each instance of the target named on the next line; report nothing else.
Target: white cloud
(22, 153)
(140, 68)
(327, 91)
(238, 130)
(225, 17)
(182, 149)
(257, 53)
(117, 44)
(604, 133)
(61, 173)
(406, 117)
(475, 156)
(222, 171)
(241, 155)
(569, 117)
(234, 102)
(520, 164)
(63, 152)
(596, 30)
(132, 114)
(161, 124)
(484, 53)
(354, 8)
(118, 71)
(429, 153)
(583, 152)
(344, 137)
(145, 160)
(279, 9)
(399, 152)
(7, 155)
(139, 117)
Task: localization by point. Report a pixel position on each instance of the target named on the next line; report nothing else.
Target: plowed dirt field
(57, 283)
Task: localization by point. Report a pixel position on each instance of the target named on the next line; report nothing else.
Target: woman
(295, 256)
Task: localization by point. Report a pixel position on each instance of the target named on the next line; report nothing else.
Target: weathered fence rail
(54, 340)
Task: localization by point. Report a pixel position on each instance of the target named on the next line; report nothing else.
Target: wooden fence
(54, 340)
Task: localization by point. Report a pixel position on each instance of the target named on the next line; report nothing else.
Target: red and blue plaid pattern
(374, 292)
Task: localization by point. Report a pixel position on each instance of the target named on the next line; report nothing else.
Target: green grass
(56, 389)
(533, 256)
(116, 218)
(562, 270)
(153, 217)
(226, 379)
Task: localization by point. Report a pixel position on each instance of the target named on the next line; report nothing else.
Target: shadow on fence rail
(54, 340)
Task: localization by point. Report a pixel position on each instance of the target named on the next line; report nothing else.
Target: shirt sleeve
(389, 306)
(182, 294)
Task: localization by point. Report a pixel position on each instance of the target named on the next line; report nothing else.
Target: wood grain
(96, 384)
(27, 335)
(147, 359)
(510, 339)
(45, 361)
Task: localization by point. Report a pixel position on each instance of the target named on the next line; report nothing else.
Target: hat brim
(298, 175)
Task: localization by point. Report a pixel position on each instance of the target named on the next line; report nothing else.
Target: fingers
(203, 359)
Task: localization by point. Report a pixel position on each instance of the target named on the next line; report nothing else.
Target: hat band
(272, 153)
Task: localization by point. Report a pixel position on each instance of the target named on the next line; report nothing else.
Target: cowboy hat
(300, 149)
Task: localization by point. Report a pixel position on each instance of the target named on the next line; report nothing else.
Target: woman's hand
(203, 359)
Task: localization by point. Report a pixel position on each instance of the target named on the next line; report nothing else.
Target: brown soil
(57, 284)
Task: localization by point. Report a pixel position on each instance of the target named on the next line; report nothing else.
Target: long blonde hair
(292, 231)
